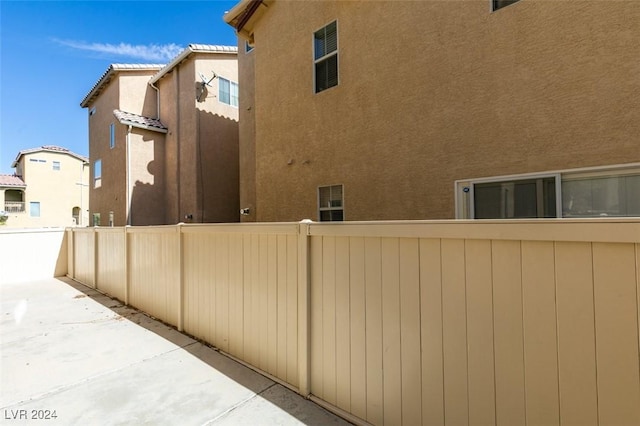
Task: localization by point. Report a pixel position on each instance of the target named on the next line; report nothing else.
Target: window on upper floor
(56, 165)
(330, 203)
(228, 92)
(34, 208)
(112, 135)
(97, 174)
(499, 4)
(247, 47)
(325, 57)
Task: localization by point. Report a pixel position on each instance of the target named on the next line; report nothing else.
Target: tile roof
(194, 48)
(12, 180)
(49, 148)
(140, 121)
(108, 75)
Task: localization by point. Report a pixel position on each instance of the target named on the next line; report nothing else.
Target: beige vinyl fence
(434, 323)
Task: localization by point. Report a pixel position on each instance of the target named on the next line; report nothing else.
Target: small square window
(112, 135)
(330, 203)
(228, 92)
(325, 55)
(97, 174)
(34, 209)
(56, 165)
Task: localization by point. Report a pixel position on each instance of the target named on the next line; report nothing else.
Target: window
(56, 165)
(515, 199)
(499, 4)
(247, 47)
(601, 196)
(325, 56)
(92, 111)
(112, 135)
(330, 203)
(34, 209)
(96, 219)
(590, 192)
(97, 174)
(228, 92)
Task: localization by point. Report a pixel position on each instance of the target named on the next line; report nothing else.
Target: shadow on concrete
(276, 394)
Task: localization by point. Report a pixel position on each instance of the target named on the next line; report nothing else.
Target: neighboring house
(163, 140)
(49, 188)
(428, 110)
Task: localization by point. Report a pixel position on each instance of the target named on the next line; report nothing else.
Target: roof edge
(244, 15)
(192, 48)
(48, 149)
(110, 72)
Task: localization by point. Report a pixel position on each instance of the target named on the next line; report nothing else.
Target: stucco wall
(129, 91)
(438, 91)
(201, 149)
(146, 150)
(111, 194)
(247, 132)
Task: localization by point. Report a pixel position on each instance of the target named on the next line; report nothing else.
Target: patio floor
(69, 350)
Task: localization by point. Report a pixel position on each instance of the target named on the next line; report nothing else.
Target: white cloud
(151, 52)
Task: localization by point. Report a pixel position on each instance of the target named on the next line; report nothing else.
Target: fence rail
(402, 322)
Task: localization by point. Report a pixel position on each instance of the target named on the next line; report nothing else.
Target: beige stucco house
(49, 188)
(163, 140)
(427, 110)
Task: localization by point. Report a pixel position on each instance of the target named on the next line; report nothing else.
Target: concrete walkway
(69, 350)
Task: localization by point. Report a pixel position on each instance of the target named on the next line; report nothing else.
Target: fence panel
(84, 256)
(111, 262)
(477, 323)
(240, 293)
(408, 323)
(154, 271)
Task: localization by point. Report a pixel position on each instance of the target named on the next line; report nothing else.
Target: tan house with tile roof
(163, 140)
(426, 110)
(49, 188)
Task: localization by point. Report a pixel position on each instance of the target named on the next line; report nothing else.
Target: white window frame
(330, 208)
(325, 56)
(232, 84)
(466, 186)
(31, 204)
(56, 166)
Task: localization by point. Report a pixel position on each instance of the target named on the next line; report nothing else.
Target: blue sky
(53, 52)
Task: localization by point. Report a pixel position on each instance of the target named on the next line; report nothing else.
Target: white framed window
(56, 165)
(331, 203)
(611, 191)
(92, 111)
(228, 92)
(112, 135)
(34, 209)
(97, 174)
(325, 57)
(96, 219)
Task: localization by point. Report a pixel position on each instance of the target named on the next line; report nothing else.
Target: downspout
(157, 98)
(128, 161)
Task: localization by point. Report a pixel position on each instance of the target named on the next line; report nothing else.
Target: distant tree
(3, 217)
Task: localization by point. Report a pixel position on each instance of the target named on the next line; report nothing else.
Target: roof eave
(244, 16)
(142, 126)
(181, 57)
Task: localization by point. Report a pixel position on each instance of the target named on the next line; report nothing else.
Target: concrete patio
(72, 351)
